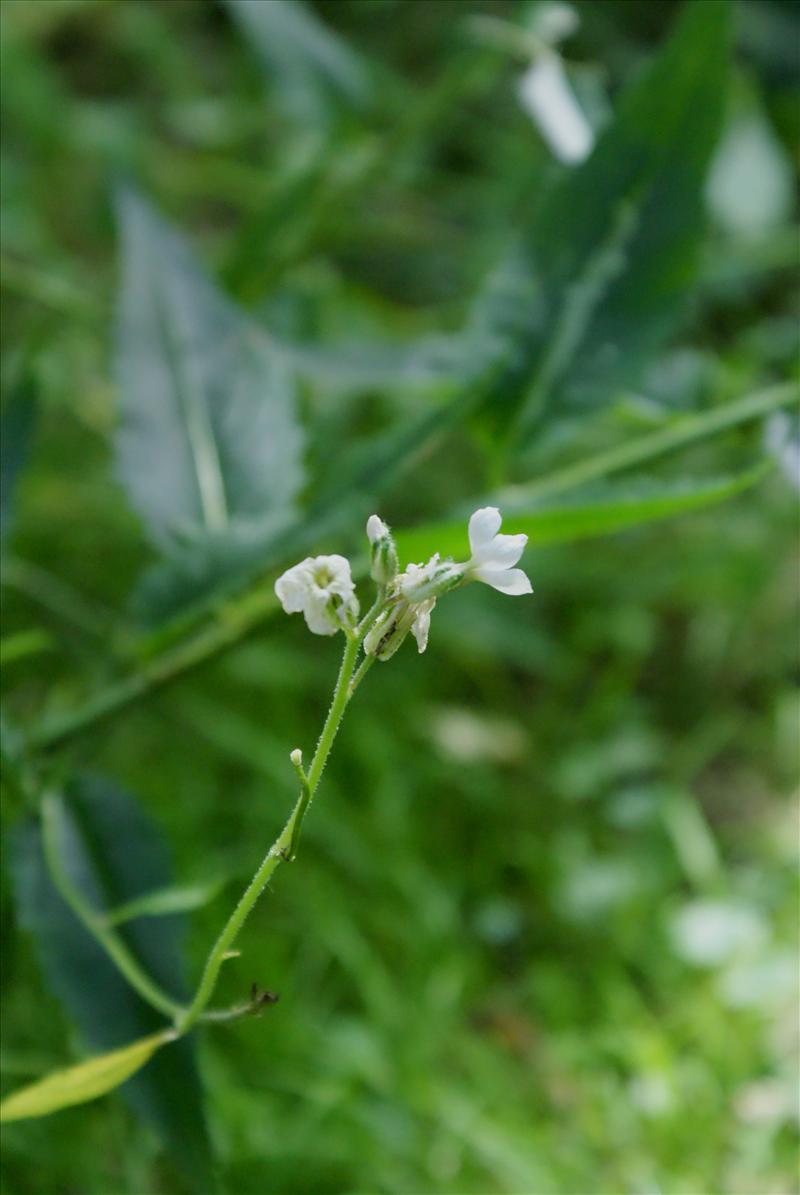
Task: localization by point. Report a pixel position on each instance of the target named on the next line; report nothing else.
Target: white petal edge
(512, 581)
(483, 527)
(292, 587)
(420, 629)
(318, 618)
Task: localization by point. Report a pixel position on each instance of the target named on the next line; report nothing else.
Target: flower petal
(506, 580)
(319, 619)
(483, 527)
(421, 626)
(293, 586)
(503, 551)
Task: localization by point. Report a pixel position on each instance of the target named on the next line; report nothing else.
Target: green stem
(281, 849)
(361, 672)
(113, 945)
(684, 431)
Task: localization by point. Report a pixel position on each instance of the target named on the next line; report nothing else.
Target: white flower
(322, 588)
(493, 554)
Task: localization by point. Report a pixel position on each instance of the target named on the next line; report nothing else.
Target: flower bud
(421, 582)
(384, 553)
(389, 631)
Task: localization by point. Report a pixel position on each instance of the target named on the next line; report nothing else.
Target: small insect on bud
(384, 553)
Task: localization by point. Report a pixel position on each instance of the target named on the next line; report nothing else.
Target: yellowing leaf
(86, 1081)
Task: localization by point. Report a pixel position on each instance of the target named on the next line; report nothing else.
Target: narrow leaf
(615, 244)
(173, 899)
(84, 1082)
(208, 436)
(620, 508)
(308, 62)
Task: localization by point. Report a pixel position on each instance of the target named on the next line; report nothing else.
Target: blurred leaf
(173, 899)
(16, 428)
(114, 855)
(208, 439)
(213, 567)
(614, 245)
(678, 433)
(628, 504)
(83, 1082)
(309, 64)
(23, 644)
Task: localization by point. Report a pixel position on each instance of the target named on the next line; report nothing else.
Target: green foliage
(541, 932)
(113, 854)
(208, 438)
(615, 244)
(16, 428)
(86, 1081)
(309, 64)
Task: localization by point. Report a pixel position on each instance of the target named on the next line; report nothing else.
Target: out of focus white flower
(784, 446)
(493, 554)
(546, 95)
(322, 588)
(710, 932)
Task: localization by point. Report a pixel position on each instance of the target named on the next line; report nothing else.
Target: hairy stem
(282, 849)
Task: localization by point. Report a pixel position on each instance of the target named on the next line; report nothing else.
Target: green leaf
(172, 899)
(615, 244)
(619, 508)
(16, 428)
(309, 64)
(83, 1082)
(208, 440)
(24, 644)
(114, 855)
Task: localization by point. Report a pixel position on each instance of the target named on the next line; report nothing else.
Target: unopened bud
(384, 553)
(376, 529)
(296, 757)
(391, 628)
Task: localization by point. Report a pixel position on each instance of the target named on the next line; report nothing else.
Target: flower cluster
(322, 586)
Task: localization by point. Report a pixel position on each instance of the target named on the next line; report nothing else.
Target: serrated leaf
(614, 245)
(83, 1082)
(617, 508)
(308, 62)
(208, 438)
(114, 854)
